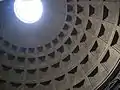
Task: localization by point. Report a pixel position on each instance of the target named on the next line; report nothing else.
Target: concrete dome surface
(75, 45)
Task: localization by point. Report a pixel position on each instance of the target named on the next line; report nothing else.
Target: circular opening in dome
(28, 11)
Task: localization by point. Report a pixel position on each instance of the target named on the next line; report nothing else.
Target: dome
(73, 45)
